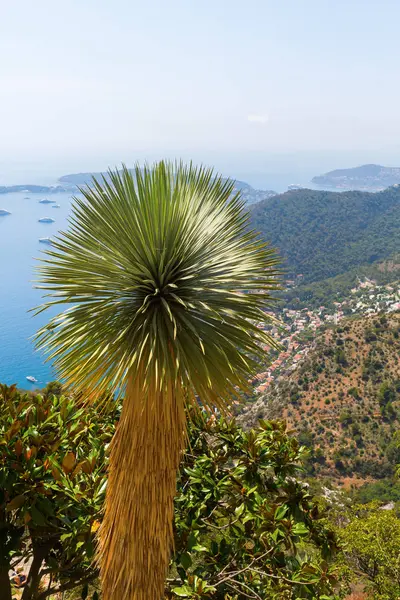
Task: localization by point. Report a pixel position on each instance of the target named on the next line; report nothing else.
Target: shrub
(239, 505)
(372, 548)
(52, 484)
(345, 418)
(370, 335)
(237, 495)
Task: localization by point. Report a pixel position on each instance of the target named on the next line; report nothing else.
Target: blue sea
(19, 248)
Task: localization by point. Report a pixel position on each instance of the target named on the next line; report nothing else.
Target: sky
(254, 87)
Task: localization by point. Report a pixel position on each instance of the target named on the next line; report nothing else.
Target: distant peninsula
(366, 177)
(71, 184)
(35, 189)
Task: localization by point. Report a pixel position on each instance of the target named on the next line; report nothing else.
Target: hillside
(337, 289)
(343, 399)
(368, 177)
(322, 234)
(249, 194)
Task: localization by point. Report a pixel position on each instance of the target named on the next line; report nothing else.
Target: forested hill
(321, 234)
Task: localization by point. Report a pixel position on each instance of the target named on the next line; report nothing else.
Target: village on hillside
(297, 328)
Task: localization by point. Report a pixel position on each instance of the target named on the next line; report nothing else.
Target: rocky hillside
(343, 399)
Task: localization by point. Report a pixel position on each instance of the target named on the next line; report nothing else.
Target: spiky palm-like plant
(168, 287)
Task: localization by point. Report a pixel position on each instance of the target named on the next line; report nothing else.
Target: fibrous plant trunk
(5, 585)
(136, 536)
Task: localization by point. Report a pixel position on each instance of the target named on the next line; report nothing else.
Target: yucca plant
(166, 287)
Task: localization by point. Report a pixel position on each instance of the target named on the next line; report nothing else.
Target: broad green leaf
(16, 502)
(300, 529)
(182, 592)
(281, 512)
(186, 560)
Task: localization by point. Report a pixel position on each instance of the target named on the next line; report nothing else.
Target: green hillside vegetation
(382, 490)
(323, 234)
(336, 289)
(344, 399)
(245, 526)
(370, 540)
(245, 523)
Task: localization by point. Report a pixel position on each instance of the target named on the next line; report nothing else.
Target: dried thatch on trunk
(136, 536)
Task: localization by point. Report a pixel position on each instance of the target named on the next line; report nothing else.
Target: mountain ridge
(368, 177)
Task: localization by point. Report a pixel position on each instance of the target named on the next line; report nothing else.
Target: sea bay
(19, 250)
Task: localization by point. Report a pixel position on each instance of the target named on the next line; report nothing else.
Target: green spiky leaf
(163, 280)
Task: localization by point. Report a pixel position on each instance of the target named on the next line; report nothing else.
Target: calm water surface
(19, 247)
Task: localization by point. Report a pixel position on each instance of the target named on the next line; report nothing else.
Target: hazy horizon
(255, 89)
(261, 170)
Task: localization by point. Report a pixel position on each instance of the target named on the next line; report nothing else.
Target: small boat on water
(46, 201)
(46, 240)
(31, 378)
(27, 198)
(46, 220)
(4, 212)
(55, 206)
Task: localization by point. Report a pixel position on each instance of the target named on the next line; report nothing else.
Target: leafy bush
(52, 485)
(244, 524)
(373, 468)
(243, 520)
(370, 336)
(340, 358)
(387, 393)
(354, 392)
(385, 490)
(346, 418)
(372, 548)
